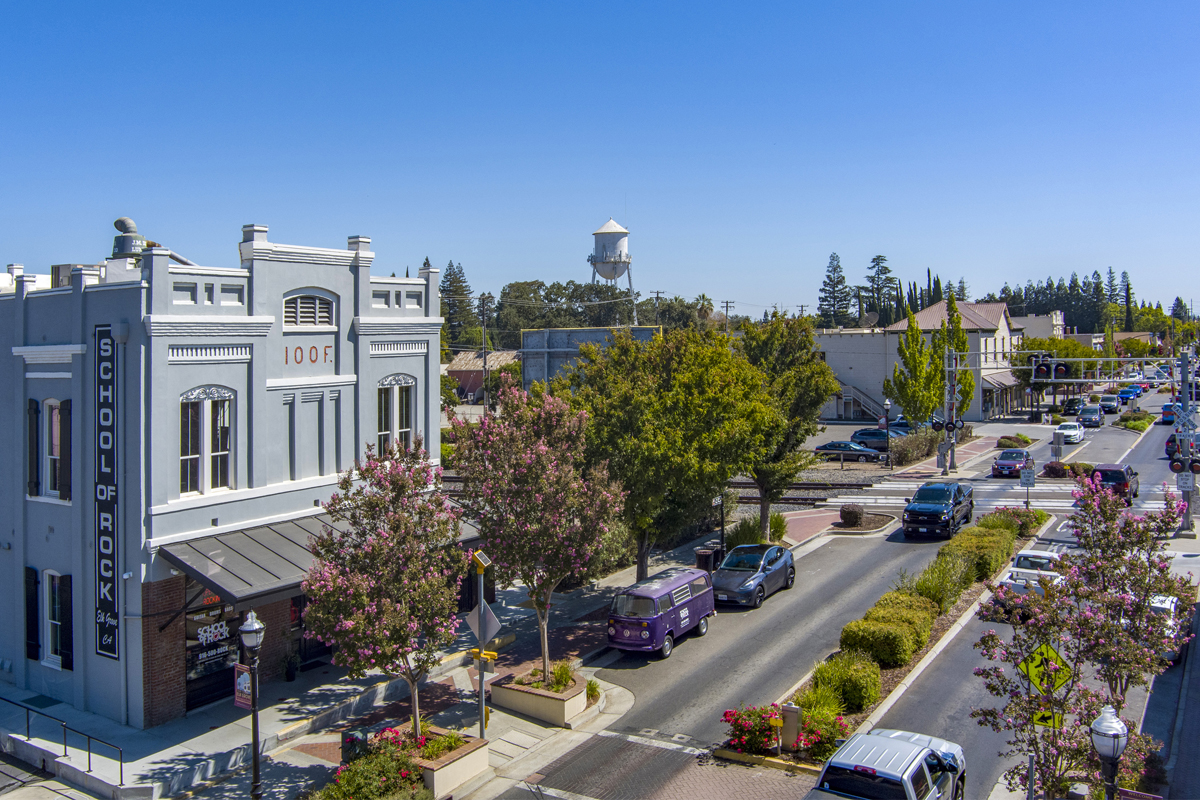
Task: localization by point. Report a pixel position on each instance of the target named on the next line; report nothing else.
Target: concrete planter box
(442, 776)
(540, 704)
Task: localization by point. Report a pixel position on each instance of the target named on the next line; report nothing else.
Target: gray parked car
(751, 572)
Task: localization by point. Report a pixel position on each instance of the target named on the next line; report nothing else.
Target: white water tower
(610, 257)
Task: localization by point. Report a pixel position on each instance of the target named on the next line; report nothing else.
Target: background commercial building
(172, 430)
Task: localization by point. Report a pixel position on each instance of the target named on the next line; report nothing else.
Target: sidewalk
(965, 453)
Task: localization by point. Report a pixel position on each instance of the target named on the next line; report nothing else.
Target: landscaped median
(880, 650)
(558, 700)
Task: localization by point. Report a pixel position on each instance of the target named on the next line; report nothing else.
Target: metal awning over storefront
(1001, 380)
(254, 566)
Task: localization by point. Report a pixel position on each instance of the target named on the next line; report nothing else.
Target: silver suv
(894, 765)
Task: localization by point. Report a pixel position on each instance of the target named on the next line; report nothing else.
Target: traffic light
(1061, 370)
(1043, 370)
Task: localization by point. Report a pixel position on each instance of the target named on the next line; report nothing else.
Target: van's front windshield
(626, 605)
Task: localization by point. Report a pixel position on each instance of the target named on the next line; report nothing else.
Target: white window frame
(49, 597)
(206, 396)
(47, 459)
(394, 387)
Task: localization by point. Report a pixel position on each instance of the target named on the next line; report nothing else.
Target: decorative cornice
(385, 349)
(180, 325)
(392, 326)
(270, 251)
(314, 382)
(215, 272)
(50, 353)
(209, 354)
(207, 393)
(399, 379)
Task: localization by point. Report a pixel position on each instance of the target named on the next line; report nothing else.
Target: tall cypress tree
(1111, 288)
(1128, 303)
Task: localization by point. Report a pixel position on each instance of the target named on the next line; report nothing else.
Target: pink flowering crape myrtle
(385, 592)
(542, 515)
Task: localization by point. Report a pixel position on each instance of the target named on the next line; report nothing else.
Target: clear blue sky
(740, 142)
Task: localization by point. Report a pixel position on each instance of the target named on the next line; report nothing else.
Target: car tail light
(866, 770)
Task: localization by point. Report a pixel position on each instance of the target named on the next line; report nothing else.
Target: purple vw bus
(652, 614)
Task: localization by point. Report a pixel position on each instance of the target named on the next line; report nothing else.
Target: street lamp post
(887, 429)
(1109, 737)
(252, 638)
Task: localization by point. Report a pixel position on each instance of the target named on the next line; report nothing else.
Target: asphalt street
(753, 656)
(941, 699)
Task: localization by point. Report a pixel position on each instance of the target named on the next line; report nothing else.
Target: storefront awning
(1001, 380)
(254, 566)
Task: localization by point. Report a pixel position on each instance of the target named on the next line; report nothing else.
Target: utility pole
(728, 306)
(1185, 434)
(802, 307)
(947, 410)
(657, 295)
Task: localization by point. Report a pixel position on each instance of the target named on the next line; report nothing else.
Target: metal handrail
(65, 729)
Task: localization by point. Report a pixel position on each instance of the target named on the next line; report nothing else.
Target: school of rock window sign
(212, 648)
(108, 617)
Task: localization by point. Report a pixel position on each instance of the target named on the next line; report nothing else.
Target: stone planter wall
(443, 775)
(540, 704)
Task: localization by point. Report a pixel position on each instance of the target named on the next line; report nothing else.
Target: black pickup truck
(939, 508)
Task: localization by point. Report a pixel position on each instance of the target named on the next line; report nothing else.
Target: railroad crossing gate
(1036, 667)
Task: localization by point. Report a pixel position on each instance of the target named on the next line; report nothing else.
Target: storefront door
(212, 648)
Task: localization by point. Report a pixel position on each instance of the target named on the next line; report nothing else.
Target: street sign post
(1185, 482)
(1028, 480)
(485, 626)
(1042, 676)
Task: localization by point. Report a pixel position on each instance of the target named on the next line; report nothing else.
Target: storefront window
(212, 648)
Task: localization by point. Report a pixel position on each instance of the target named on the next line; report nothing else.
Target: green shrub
(437, 746)
(918, 445)
(1138, 425)
(853, 675)
(907, 600)
(1027, 521)
(987, 549)
(447, 454)
(744, 532)
(921, 624)
(1093, 398)
(824, 699)
(560, 676)
(1055, 469)
(1008, 443)
(888, 644)
(1081, 469)
(386, 772)
(593, 690)
(820, 733)
(1001, 521)
(944, 581)
(851, 514)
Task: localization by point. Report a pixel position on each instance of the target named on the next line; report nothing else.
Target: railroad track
(806, 485)
(747, 499)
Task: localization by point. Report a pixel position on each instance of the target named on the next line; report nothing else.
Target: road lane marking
(561, 794)
(653, 742)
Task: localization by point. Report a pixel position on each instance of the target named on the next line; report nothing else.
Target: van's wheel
(702, 626)
(668, 646)
(759, 596)
(791, 579)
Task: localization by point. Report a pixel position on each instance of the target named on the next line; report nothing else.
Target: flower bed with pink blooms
(751, 733)
(395, 765)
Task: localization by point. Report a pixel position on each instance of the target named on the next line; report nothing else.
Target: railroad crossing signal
(1036, 667)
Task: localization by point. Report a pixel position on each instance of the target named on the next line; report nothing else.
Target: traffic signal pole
(1184, 436)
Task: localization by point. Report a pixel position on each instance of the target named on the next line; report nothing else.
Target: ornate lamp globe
(252, 632)
(1109, 734)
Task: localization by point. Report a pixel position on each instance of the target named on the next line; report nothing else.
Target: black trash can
(704, 558)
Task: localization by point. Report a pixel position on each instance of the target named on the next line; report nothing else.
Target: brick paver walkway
(965, 452)
(613, 768)
(803, 525)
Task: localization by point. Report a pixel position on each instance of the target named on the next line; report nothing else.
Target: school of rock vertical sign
(108, 618)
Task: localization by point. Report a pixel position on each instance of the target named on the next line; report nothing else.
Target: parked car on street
(1121, 479)
(1110, 403)
(875, 438)
(1010, 462)
(1028, 570)
(893, 765)
(850, 451)
(1166, 605)
(652, 614)
(1072, 406)
(1090, 417)
(751, 572)
(1073, 432)
(939, 508)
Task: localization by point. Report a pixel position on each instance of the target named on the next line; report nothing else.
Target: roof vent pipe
(130, 244)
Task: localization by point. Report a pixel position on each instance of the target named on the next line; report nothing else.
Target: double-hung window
(205, 440)
(395, 412)
(49, 456)
(49, 632)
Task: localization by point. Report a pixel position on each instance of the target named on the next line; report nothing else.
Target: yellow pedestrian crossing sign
(1047, 719)
(1036, 667)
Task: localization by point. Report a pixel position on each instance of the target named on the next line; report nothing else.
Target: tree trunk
(416, 704)
(542, 609)
(643, 556)
(764, 513)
